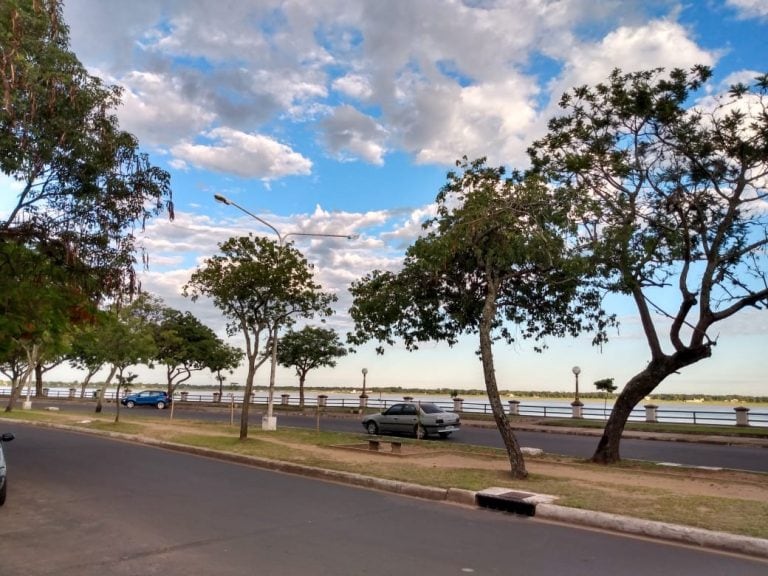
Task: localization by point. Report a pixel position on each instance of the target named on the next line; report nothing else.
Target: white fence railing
(725, 416)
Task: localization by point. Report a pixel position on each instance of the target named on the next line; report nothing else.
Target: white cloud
(347, 132)
(155, 109)
(245, 155)
(354, 85)
(750, 8)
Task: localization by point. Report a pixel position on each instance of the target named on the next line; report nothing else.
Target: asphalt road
(737, 457)
(81, 505)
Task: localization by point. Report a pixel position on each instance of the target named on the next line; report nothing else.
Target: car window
(409, 410)
(429, 408)
(394, 410)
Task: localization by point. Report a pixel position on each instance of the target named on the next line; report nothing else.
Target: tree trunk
(120, 380)
(16, 388)
(38, 380)
(638, 387)
(103, 391)
(302, 377)
(515, 455)
(247, 401)
(86, 381)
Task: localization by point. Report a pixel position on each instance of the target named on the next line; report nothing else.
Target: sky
(343, 116)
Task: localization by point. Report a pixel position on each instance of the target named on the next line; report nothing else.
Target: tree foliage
(84, 184)
(676, 204)
(128, 340)
(307, 349)
(495, 262)
(260, 286)
(184, 345)
(38, 305)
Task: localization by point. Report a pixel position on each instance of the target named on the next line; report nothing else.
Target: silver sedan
(418, 418)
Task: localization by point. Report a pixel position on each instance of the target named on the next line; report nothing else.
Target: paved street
(80, 505)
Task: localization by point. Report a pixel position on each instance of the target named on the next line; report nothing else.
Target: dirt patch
(688, 482)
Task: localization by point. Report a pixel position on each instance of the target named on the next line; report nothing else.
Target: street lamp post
(577, 405)
(269, 422)
(364, 396)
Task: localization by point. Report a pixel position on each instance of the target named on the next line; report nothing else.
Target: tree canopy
(259, 285)
(675, 194)
(84, 184)
(495, 262)
(307, 349)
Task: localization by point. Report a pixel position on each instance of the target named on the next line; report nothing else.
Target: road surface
(81, 505)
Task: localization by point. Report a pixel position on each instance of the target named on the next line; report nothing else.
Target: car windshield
(429, 408)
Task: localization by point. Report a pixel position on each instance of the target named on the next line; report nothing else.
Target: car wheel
(160, 405)
(130, 404)
(444, 435)
(3, 492)
(372, 428)
(421, 432)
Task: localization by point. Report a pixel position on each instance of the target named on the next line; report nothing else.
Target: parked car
(418, 418)
(7, 437)
(147, 398)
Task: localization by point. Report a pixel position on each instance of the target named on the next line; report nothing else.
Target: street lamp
(576, 371)
(365, 373)
(269, 422)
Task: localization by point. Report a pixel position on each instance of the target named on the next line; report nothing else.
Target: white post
(650, 413)
(514, 407)
(742, 416)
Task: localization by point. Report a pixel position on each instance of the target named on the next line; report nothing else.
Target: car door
(390, 419)
(409, 419)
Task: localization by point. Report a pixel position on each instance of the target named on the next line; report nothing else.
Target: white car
(7, 437)
(418, 418)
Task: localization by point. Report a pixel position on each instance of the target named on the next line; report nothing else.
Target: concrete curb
(721, 541)
(660, 530)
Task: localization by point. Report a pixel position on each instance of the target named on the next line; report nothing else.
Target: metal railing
(663, 415)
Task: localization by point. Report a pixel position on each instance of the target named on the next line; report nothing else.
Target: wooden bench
(395, 446)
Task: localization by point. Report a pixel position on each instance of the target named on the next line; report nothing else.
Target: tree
(84, 184)
(605, 385)
(495, 262)
(184, 345)
(307, 349)
(128, 341)
(86, 351)
(677, 219)
(260, 286)
(37, 307)
(224, 357)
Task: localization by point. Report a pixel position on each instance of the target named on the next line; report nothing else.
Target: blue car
(156, 398)
(3, 479)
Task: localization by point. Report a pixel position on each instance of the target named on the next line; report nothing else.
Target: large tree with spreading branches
(260, 286)
(677, 216)
(497, 262)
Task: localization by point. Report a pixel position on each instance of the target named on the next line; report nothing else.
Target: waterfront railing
(724, 416)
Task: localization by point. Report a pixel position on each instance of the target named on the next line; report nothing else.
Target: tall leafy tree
(495, 262)
(86, 350)
(307, 349)
(676, 218)
(37, 307)
(128, 341)
(260, 286)
(184, 345)
(224, 357)
(84, 183)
